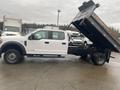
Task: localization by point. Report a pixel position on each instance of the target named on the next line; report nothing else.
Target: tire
(13, 56)
(83, 57)
(99, 59)
(108, 53)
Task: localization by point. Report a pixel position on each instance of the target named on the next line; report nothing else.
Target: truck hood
(13, 38)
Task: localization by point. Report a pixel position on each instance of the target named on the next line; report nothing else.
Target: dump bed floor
(88, 23)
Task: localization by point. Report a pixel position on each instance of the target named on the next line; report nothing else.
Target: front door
(38, 43)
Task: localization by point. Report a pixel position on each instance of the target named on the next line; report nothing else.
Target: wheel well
(20, 48)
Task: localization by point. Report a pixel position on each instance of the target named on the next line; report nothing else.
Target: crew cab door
(47, 42)
(38, 42)
(58, 42)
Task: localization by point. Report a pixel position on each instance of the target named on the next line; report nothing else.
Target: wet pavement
(60, 74)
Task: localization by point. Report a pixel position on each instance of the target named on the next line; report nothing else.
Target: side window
(56, 35)
(40, 35)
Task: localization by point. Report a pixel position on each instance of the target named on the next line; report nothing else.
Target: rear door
(58, 42)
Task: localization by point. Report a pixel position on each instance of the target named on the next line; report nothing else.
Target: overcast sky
(45, 11)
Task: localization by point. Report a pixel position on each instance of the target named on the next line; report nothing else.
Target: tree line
(35, 26)
(26, 26)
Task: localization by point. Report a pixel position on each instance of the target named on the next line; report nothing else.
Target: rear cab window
(57, 35)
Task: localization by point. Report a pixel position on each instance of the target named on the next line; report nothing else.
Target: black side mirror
(30, 37)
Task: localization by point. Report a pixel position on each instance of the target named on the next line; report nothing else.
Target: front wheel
(99, 59)
(13, 56)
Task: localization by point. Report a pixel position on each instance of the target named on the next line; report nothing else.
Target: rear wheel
(83, 57)
(13, 56)
(99, 58)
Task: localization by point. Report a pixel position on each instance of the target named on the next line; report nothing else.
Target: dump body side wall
(97, 33)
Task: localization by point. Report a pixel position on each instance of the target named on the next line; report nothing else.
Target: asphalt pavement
(69, 73)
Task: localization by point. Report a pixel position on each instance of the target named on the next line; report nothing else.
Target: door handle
(63, 43)
(46, 42)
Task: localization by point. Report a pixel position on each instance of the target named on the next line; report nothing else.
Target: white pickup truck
(38, 43)
(42, 43)
(55, 42)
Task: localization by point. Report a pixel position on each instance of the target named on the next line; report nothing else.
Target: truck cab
(47, 42)
(41, 42)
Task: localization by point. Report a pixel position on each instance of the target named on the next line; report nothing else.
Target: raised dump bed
(88, 23)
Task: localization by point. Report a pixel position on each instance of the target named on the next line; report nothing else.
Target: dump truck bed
(88, 23)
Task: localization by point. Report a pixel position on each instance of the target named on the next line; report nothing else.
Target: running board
(45, 56)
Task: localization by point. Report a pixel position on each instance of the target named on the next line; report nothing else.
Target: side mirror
(30, 37)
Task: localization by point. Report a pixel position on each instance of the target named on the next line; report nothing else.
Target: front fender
(13, 44)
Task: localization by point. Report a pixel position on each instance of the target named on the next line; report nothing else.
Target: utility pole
(4, 18)
(58, 17)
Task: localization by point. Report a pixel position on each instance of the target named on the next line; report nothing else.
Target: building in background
(11, 24)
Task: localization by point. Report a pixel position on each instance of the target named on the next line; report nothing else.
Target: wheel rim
(100, 59)
(12, 57)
